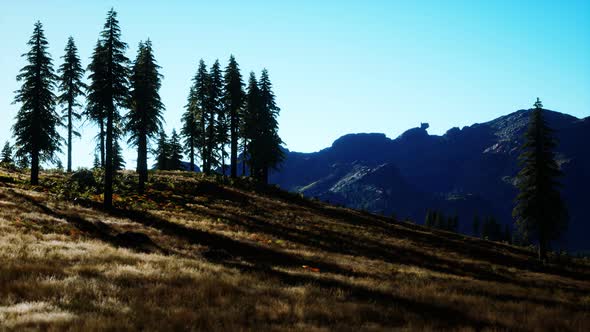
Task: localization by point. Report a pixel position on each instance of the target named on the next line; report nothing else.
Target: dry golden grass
(213, 257)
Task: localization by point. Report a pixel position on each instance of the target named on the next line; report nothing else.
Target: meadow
(201, 253)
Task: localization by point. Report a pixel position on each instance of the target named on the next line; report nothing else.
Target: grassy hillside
(192, 254)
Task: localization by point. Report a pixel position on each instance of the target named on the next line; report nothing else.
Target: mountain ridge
(467, 171)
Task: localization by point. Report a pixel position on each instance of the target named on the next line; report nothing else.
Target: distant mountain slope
(468, 171)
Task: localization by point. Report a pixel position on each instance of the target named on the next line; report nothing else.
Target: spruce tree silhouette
(6, 155)
(71, 87)
(162, 152)
(118, 160)
(270, 153)
(234, 101)
(250, 125)
(95, 104)
(199, 102)
(113, 93)
(539, 212)
(212, 125)
(144, 120)
(175, 152)
(191, 128)
(36, 124)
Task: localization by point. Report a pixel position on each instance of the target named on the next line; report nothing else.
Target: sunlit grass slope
(193, 254)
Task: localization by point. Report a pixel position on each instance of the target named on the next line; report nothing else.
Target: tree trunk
(264, 175)
(35, 167)
(223, 162)
(192, 156)
(102, 150)
(542, 250)
(108, 176)
(244, 160)
(70, 138)
(234, 148)
(142, 162)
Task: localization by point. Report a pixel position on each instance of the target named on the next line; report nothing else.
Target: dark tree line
(169, 152)
(489, 228)
(438, 220)
(219, 113)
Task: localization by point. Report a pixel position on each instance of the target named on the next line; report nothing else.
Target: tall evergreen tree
(202, 110)
(191, 128)
(95, 96)
(233, 102)
(213, 127)
(539, 212)
(115, 93)
(6, 157)
(429, 219)
(71, 87)
(476, 225)
(36, 124)
(491, 229)
(268, 152)
(118, 160)
(144, 119)
(162, 152)
(175, 152)
(250, 124)
(96, 163)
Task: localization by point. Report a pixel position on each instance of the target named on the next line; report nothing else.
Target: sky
(337, 67)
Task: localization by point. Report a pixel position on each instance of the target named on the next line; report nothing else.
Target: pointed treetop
(538, 103)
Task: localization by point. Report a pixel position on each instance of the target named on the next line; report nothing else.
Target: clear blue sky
(338, 67)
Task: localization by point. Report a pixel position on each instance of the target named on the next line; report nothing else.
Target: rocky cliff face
(468, 171)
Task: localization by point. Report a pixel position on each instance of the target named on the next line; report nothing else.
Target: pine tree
(162, 152)
(71, 86)
(96, 164)
(6, 157)
(453, 224)
(491, 229)
(144, 120)
(250, 125)
(476, 225)
(269, 153)
(118, 160)
(22, 159)
(213, 127)
(95, 101)
(429, 220)
(190, 129)
(59, 165)
(200, 105)
(175, 152)
(115, 93)
(539, 212)
(233, 102)
(436, 219)
(36, 124)
(507, 233)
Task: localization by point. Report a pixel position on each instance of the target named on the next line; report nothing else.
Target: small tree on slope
(539, 212)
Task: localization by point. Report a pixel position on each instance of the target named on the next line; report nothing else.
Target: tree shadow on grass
(444, 317)
(336, 242)
(489, 251)
(222, 247)
(133, 240)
